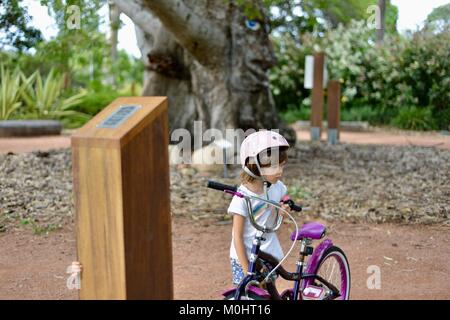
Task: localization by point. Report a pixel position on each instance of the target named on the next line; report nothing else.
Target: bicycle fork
(252, 267)
(305, 250)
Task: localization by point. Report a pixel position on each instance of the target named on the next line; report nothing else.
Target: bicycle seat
(312, 230)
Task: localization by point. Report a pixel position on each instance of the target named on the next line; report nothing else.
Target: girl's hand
(286, 207)
(77, 267)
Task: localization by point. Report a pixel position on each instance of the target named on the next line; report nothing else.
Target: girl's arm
(238, 236)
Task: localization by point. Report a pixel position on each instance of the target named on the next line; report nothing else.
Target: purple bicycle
(325, 275)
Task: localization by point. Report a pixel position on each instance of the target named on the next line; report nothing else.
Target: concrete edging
(29, 128)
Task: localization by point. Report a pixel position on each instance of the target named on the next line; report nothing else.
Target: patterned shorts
(236, 271)
(239, 274)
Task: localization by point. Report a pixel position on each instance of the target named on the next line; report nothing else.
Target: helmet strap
(251, 174)
(266, 183)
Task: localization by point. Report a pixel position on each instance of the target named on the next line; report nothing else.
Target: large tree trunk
(211, 66)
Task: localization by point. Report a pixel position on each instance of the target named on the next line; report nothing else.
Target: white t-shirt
(263, 215)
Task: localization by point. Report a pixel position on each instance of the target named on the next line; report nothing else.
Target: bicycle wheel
(250, 296)
(334, 268)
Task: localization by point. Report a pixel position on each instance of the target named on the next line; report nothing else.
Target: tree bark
(381, 28)
(114, 21)
(208, 62)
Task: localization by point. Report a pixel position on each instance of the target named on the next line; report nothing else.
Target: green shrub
(286, 79)
(94, 101)
(293, 114)
(44, 98)
(365, 113)
(407, 70)
(10, 88)
(414, 118)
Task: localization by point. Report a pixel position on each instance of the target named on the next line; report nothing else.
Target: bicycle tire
(250, 296)
(339, 255)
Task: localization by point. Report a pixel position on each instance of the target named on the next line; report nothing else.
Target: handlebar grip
(291, 203)
(220, 186)
(295, 207)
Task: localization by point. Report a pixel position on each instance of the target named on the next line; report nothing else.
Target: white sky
(42, 21)
(412, 13)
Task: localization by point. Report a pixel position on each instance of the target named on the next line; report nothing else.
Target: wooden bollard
(122, 201)
(317, 96)
(334, 106)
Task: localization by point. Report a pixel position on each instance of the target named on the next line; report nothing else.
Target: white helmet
(258, 142)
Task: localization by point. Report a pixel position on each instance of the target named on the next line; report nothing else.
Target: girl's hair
(265, 158)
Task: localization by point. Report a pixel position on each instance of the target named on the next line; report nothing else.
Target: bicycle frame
(297, 277)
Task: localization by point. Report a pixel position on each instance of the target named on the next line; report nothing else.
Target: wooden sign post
(122, 201)
(317, 96)
(334, 106)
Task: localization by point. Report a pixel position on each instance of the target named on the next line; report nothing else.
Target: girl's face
(274, 172)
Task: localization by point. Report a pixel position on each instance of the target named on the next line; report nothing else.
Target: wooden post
(334, 106)
(122, 201)
(317, 96)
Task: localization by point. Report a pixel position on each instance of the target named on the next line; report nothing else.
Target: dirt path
(387, 137)
(414, 260)
(22, 145)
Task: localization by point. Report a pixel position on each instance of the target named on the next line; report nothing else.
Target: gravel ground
(337, 183)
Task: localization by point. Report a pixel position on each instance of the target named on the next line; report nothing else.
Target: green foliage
(414, 118)
(82, 58)
(294, 113)
(10, 88)
(364, 113)
(95, 101)
(439, 18)
(287, 77)
(298, 193)
(16, 32)
(127, 69)
(295, 17)
(38, 229)
(30, 97)
(425, 63)
(376, 80)
(44, 99)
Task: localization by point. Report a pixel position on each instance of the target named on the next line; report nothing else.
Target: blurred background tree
(16, 34)
(84, 57)
(402, 82)
(439, 18)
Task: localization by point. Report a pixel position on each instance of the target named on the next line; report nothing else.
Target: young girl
(263, 156)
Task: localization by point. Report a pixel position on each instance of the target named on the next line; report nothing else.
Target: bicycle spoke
(332, 273)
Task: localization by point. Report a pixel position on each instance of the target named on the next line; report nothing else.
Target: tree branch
(140, 16)
(202, 37)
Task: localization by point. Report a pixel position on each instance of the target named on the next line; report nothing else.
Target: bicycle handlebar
(291, 203)
(233, 190)
(220, 186)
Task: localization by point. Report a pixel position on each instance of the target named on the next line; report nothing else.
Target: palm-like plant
(44, 101)
(11, 87)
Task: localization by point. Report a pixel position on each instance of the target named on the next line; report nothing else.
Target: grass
(406, 118)
(37, 228)
(298, 193)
